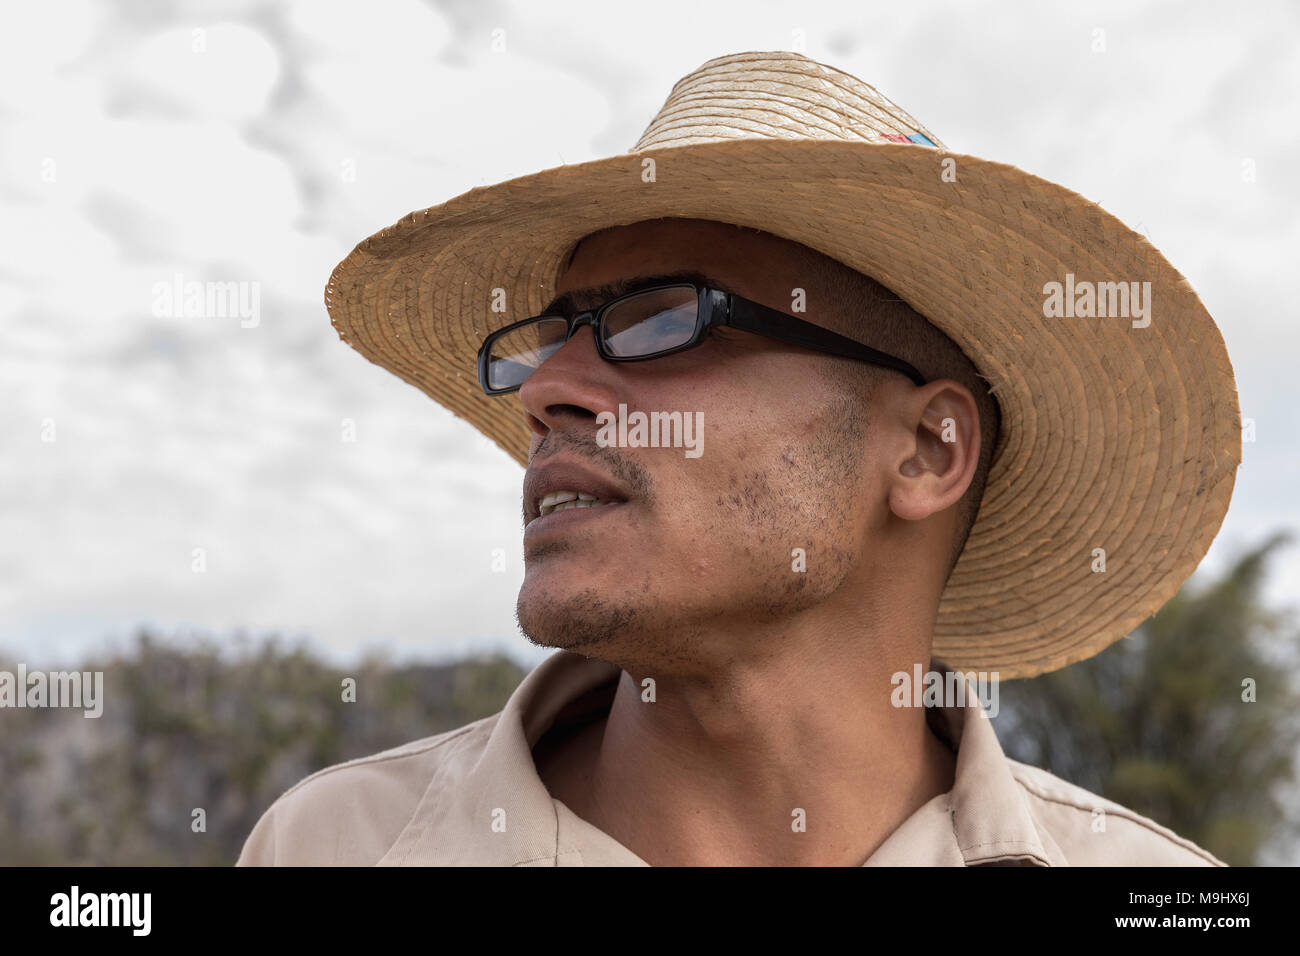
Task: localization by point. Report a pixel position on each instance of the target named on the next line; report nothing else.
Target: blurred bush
(1158, 722)
(192, 728)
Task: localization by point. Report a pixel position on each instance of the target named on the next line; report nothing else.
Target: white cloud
(224, 70)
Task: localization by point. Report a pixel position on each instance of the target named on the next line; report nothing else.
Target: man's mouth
(564, 500)
(558, 511)
(567, 486)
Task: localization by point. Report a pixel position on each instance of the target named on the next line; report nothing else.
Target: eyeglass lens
(645, 324)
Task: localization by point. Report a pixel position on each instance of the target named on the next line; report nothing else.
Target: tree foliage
(1161, 721)
(190, 728)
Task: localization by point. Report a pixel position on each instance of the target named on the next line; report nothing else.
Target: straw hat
(1117, 435)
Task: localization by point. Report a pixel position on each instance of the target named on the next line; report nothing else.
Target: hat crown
(778, 95)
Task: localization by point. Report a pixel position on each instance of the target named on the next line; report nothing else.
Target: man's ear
(935, 467)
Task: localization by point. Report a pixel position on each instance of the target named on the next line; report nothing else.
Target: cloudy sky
(257, 143)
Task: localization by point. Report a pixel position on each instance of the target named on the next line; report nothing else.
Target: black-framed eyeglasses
(654, 322)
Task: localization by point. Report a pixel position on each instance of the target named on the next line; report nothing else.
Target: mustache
(631, 473)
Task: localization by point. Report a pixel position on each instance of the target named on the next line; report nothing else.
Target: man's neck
(780, 763)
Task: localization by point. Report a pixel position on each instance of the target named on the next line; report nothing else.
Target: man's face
(701, 544)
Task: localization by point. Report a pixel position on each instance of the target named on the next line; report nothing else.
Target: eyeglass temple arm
(752, 317)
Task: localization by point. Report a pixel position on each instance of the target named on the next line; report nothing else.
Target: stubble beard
(639, 626)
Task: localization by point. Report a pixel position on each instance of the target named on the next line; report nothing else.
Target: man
(954, 423)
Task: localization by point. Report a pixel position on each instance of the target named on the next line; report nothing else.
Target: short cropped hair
(881, 319)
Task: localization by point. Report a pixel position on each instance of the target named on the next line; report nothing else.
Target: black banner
(211, 906)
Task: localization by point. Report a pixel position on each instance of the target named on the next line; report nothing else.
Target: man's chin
(597, 615)
(629, 628)
(576, 619)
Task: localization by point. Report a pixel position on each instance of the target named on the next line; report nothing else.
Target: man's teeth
(560, 500)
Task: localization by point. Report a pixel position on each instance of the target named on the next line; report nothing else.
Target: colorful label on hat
(913, 138)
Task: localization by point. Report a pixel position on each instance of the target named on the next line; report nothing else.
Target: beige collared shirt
(473, 797)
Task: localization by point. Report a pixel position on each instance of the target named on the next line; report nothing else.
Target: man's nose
(570, 387)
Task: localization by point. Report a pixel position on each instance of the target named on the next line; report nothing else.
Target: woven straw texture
(1113, 437)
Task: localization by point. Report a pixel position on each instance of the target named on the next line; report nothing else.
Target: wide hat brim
(1118, 443)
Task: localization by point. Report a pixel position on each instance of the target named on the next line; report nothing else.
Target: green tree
(1162, 722)
(196, 727)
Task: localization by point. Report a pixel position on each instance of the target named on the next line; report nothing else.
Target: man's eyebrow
(578, 300)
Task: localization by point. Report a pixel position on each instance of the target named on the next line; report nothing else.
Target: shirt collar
(985, 819)
(486, 804)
